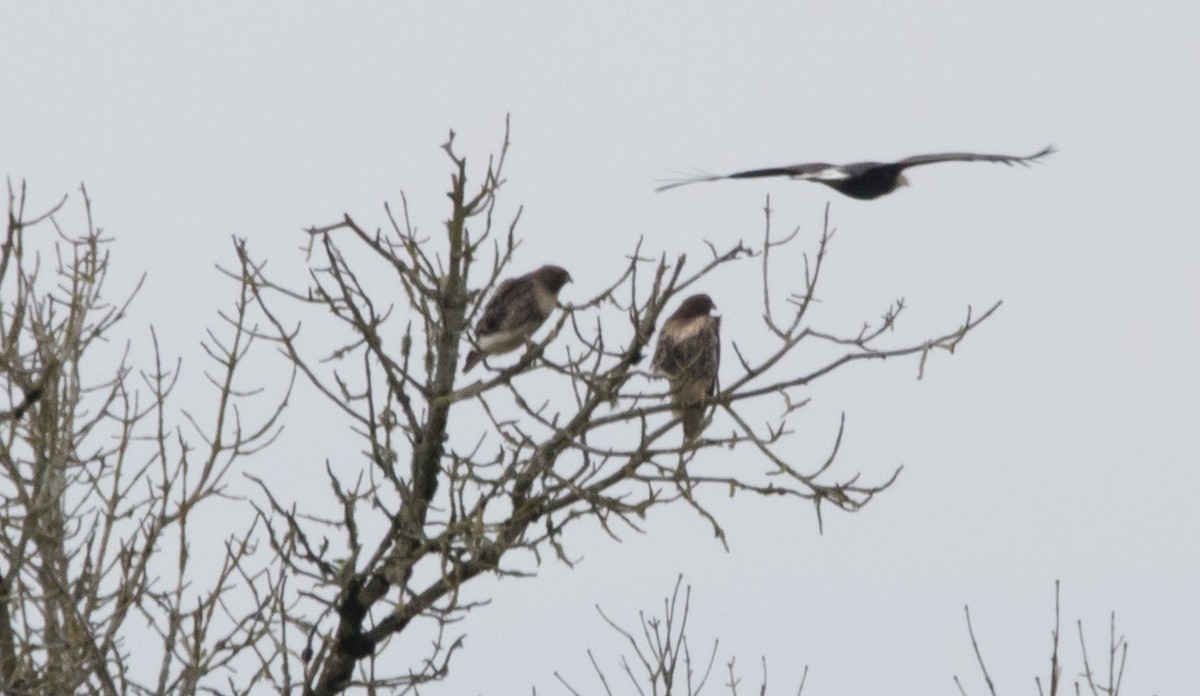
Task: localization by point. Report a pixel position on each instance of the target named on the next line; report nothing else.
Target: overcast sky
(1062, 441)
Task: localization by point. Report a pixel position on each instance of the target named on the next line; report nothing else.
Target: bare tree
(460, 478)
(101, 491)
(447, 478)
(1096, 685)
(663, 662)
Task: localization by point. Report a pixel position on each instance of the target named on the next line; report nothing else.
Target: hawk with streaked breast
(688, 355)
(516, 309)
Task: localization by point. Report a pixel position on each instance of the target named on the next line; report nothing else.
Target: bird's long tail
(693, 423)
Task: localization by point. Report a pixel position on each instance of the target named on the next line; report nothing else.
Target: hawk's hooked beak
(901, 181)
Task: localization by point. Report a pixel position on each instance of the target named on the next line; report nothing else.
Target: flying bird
(862, 180)
(688, 354)
(516, 309)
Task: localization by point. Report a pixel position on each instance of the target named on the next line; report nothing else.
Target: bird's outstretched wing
(812, 170)
(684, 179)
(973, 157)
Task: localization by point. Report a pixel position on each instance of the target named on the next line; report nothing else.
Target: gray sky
(1061, 441)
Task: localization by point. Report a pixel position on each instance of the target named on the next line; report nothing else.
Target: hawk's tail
(693, 423)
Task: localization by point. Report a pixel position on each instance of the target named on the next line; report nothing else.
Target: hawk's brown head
(553, 278)
(694, 306)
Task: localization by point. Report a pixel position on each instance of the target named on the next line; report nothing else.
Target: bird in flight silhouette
(861, 180)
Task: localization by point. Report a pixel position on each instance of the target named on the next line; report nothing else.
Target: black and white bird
(688, 355)
(862, 180)
(516, 309)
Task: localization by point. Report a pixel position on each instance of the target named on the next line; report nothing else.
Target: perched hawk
(515, 311)
(862, 180)
(688, 353)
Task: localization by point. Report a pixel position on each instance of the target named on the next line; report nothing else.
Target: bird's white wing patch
(826, 174)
